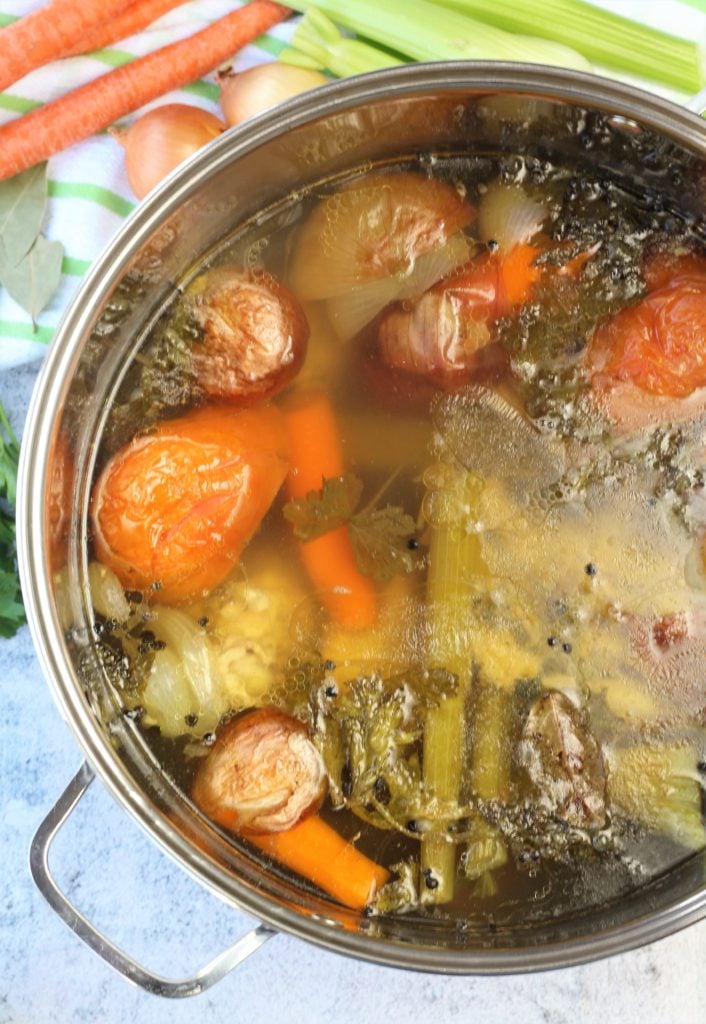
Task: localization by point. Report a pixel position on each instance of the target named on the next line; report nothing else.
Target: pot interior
(417, 118)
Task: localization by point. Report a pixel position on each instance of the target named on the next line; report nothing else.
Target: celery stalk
(454, 561)
(602, 36)
(419, 31)
(486, 848)
(318, 44)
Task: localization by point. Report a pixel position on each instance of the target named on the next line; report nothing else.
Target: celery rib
(454, 561)
(420, 31)
(602, 36)
(318, 44)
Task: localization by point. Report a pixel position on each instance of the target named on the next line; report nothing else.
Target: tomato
(173, 509)
(662, 267)
(659, 344)
(255, 335)
(262, 775)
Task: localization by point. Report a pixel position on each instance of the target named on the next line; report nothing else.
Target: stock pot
(647, 144)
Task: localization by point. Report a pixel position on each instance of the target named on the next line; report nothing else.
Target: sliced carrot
(316, 454)
(138, 15)
(36, 136)
(316, 851)
(518, 273)
(48, 33)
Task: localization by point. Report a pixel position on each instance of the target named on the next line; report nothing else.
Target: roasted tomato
(446, 334)
(173, 509)
(263, 774)
(255, 335)
(659, 344)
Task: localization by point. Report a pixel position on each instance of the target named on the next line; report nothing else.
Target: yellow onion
(250, 92)
(508, 216)
(374, 227)
(158, 142)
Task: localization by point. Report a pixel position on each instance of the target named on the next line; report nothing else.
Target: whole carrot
(137, 16)
(47, 33)
(36, 136)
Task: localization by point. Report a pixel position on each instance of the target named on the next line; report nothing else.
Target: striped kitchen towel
(89, 193)
(89, 196)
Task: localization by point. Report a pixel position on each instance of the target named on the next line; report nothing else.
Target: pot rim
(50, 391)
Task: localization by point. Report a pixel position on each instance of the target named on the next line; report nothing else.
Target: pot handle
(114, 957)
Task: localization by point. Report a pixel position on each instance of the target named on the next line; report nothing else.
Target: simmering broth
(456, 533)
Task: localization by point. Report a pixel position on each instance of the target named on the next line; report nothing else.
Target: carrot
(315, 850)
(316, 454)
(45, 34)
(36, 136)
(519, 273)
(137, 16)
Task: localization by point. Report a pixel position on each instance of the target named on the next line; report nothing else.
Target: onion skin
(161, 139)
(373, 228)
(446, 334)
(248, 93)
(255, 336)
(262, 775)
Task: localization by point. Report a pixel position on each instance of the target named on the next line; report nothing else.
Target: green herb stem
(11, 611)
(602, 36)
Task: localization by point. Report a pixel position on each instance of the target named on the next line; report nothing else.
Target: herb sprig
(12, 614)
(384, 539)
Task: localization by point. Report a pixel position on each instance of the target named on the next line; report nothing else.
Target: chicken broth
(398, 539)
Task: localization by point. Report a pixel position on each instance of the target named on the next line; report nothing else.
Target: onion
(182, 682)
(373, 228)
(250, 92)
(350, 312)
(508, 216)
(262, 775)
(158, 142)
(107, 594)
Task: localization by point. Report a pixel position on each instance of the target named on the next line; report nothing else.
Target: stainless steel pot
(412, 112)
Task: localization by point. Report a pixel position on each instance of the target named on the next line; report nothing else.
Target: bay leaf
(33, 281)
(23, 203)
(564, 761)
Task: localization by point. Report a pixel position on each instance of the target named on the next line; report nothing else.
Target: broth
(516, 729)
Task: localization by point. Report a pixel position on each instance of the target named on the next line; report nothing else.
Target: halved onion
(508, 216)
(374, 228)
(349, 313)
(182, 684)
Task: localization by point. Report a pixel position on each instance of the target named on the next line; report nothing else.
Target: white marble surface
(146, 903)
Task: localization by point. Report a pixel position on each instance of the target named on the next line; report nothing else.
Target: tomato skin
(662, 267)
(173, 509)
(659, 344)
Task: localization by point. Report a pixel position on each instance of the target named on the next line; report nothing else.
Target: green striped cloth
(89, 193)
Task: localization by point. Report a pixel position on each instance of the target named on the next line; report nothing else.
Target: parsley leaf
(11, 611)
(380, 537)
(381, 543)
(324, 510)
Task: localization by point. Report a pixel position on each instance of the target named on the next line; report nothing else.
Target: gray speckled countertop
(130, 889)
